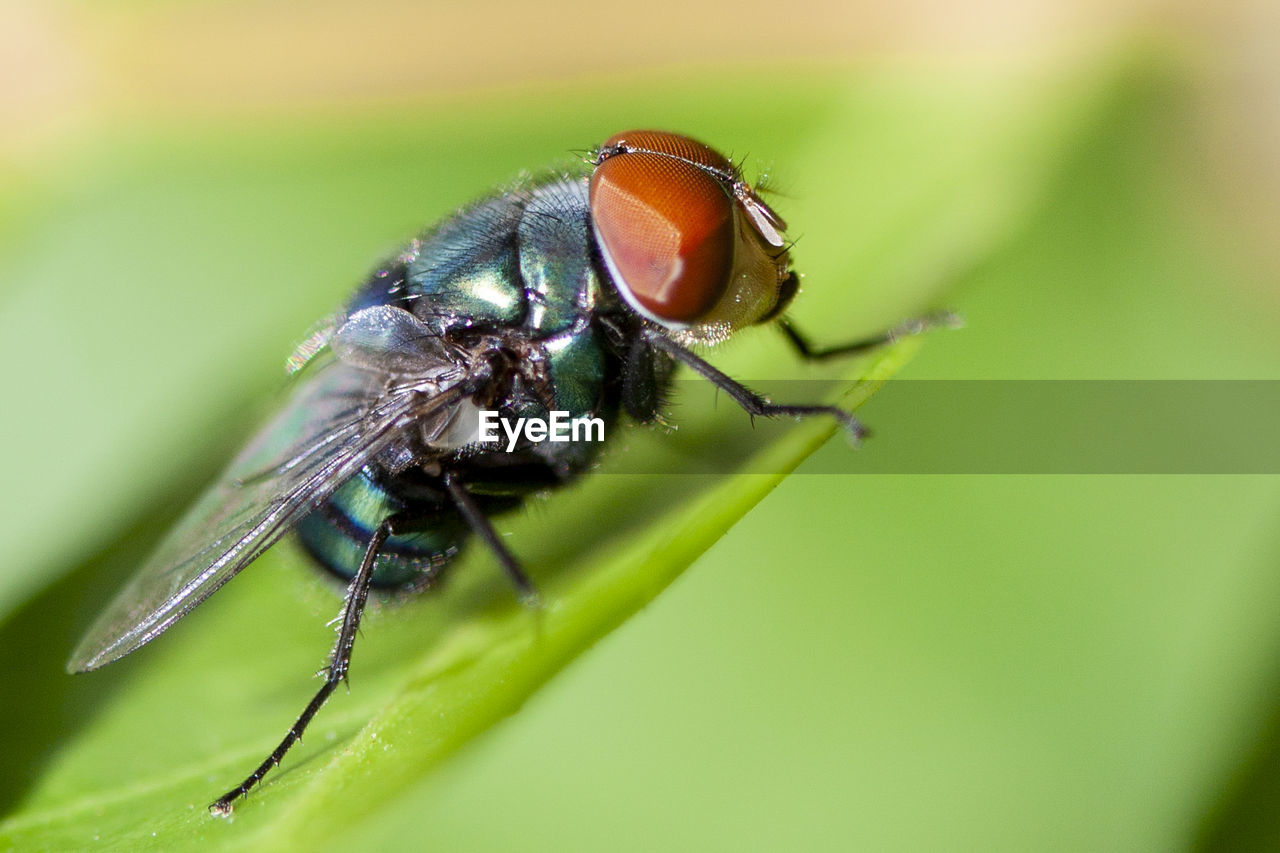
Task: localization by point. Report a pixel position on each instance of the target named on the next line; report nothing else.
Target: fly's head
(688, 243)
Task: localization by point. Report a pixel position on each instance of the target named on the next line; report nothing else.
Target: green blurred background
(875, 662)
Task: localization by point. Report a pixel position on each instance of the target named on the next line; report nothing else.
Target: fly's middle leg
(480, 525)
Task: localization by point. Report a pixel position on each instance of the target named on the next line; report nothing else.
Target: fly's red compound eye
(664, 218)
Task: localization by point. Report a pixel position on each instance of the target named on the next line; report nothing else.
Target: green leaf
(430, 674)
(205, 246)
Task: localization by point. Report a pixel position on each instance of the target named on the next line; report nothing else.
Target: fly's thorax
(465, 272)
(522, 260)
(561, 285)
(563, 378)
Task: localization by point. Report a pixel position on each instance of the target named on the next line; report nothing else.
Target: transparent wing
(334, 423)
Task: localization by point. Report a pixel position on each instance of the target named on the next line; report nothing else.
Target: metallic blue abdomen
(338, 531)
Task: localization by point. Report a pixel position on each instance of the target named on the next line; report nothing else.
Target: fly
(574, 296)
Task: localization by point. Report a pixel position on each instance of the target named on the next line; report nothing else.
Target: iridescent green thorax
(521, 261)
(515, 274)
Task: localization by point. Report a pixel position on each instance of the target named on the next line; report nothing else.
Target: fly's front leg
(336, 673)
(914, 326)
(751, 402)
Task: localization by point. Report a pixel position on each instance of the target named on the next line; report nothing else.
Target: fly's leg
(479, 524)
(751, 402)
(339, 661)
(914, 326)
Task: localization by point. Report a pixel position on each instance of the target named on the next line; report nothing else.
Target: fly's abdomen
(337, 534)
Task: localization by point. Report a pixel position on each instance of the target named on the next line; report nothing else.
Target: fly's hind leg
(914, 326)
(336, 673)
